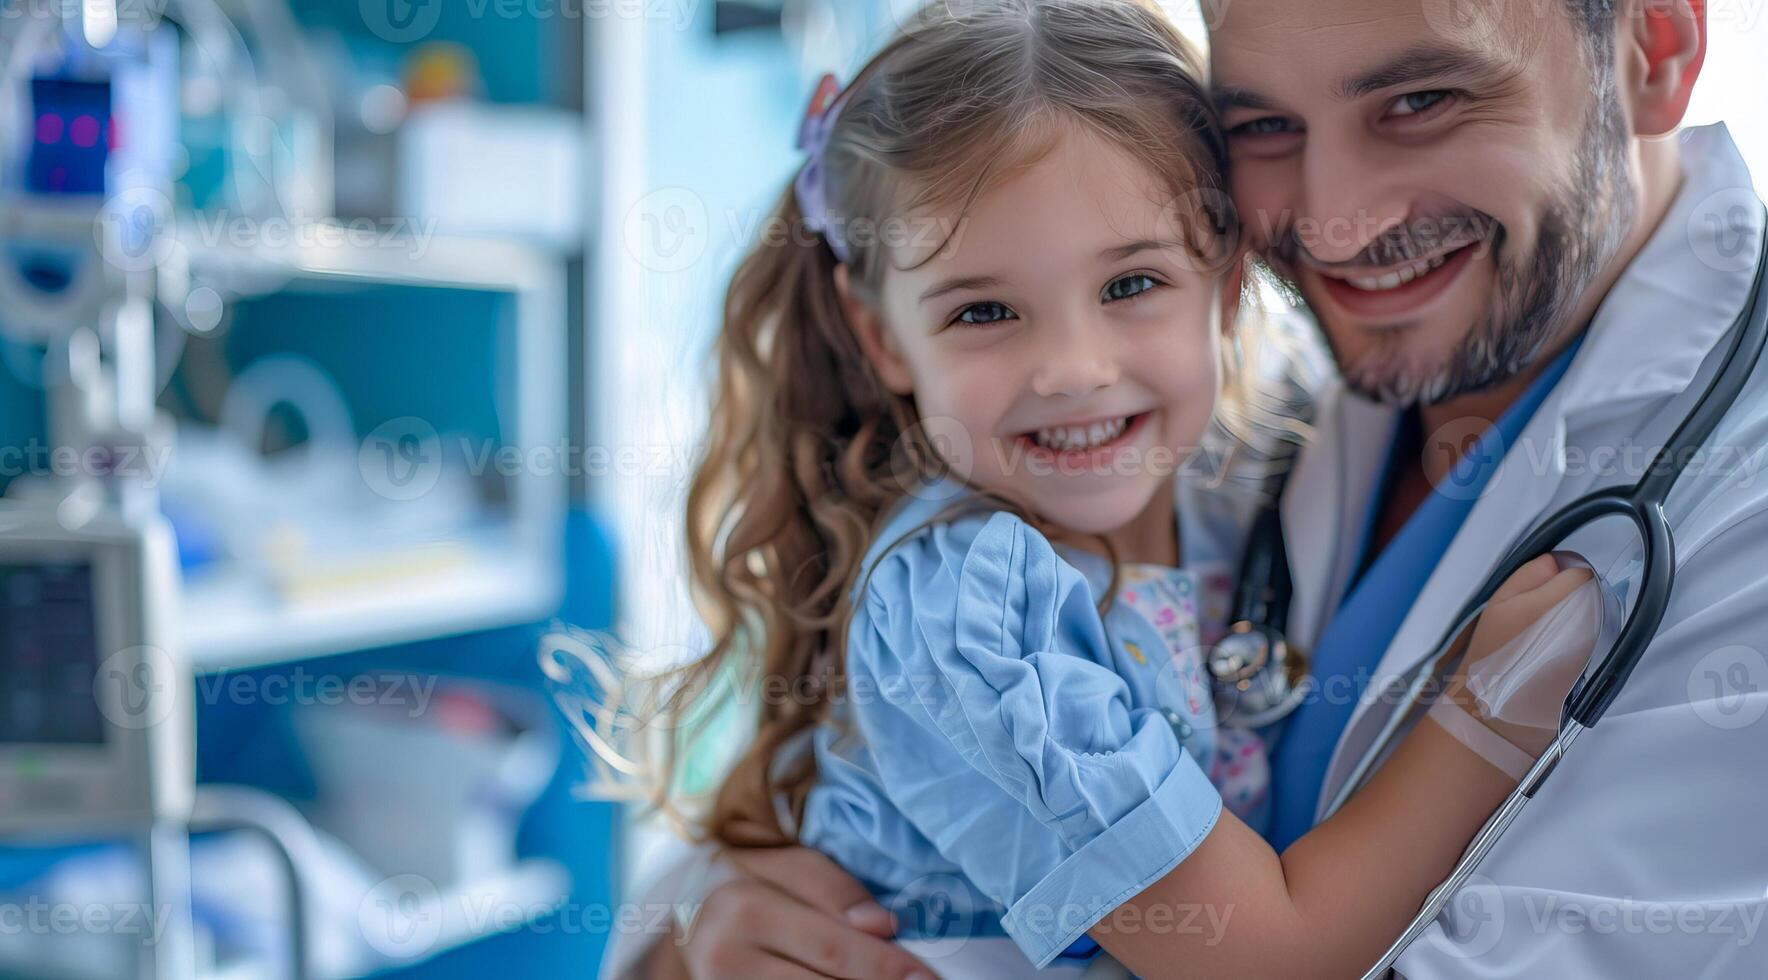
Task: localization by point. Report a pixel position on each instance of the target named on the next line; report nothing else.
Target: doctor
(1523, 270)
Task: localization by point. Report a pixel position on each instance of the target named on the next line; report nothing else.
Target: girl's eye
(1414, 103)
(983, 314)
(1266, 126)
(1129, 287)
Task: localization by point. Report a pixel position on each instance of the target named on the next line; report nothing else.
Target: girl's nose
(1075, 368)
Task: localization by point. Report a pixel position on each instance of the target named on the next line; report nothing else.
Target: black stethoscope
(1255, 666)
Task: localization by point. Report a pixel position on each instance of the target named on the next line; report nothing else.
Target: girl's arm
(1331, 904)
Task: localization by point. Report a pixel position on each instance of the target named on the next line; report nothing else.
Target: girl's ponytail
(795, 470)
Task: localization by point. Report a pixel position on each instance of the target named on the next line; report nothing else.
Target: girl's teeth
(1394, 280)
(1072, 437)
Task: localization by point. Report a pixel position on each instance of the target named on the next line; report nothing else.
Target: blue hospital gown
(1004, 758)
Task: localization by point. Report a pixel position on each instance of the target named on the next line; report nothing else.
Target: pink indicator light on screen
(49, 128)
(84, 131)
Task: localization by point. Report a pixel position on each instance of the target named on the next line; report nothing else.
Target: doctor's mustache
(1417, 237)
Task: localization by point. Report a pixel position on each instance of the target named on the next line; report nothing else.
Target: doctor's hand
(1528, 648)
(786, 912)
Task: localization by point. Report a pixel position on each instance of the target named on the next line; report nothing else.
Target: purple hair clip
(811, 184)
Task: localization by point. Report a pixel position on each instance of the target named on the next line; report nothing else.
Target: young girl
(936, 519)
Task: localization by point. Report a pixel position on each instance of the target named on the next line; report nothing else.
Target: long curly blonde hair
(806, 448)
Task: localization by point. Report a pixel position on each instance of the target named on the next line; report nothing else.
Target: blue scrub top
(1377, 603)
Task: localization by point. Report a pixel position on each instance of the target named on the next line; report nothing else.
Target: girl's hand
(1514, 683)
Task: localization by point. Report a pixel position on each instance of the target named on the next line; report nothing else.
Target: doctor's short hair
(806, 448)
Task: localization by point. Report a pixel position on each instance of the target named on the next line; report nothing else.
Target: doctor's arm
(1330, 904)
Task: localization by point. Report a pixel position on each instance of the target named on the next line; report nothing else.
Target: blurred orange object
(438, 71)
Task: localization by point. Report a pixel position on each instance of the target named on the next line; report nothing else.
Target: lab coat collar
(1684, 288)
(1655, 328)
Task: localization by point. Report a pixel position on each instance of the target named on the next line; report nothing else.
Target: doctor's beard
(1582, 229)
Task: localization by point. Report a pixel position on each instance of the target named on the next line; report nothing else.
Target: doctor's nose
(1347, 199)
(1075, 369)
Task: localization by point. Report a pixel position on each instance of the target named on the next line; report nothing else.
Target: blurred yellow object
(441, 70)
(390, 570)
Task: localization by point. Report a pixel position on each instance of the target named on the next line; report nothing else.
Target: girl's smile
(1068, 328)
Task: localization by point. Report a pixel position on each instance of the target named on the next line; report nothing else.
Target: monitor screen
(73, 136)
(48, 655)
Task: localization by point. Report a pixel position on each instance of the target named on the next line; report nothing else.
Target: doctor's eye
(1414, 104)
(982, 314)
(1130, 286)
(1263, 126)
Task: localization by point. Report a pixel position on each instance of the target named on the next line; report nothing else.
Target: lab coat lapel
(1324, 503)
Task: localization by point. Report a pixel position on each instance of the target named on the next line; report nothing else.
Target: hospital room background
(353, 354)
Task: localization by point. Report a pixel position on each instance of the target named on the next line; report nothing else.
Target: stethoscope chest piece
(1258, 677)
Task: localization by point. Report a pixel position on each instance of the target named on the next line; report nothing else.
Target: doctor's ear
(874, 338)
(1662, 46)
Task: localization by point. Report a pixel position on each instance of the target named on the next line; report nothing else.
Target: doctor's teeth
(1068, 437)
(1397, 278)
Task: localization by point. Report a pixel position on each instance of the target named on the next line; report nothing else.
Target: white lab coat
(1646, 853)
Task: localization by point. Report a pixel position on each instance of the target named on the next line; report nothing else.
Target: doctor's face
(1440, 179)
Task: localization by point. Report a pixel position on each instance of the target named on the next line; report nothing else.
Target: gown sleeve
(979, 676)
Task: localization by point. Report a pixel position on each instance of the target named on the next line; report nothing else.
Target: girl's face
(1062, 347)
